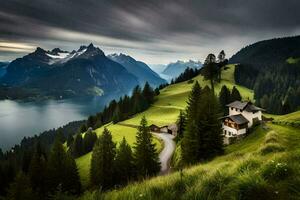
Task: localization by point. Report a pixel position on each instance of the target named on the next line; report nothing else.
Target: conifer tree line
(42, 176)
(226, 97)
(212, 68)
(113, 166)
(276, 85)
(55, 175)
(188, 74)
(199, 128)
(126, 106)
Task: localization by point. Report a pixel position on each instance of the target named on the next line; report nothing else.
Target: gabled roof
(248, 106)
(239, 119)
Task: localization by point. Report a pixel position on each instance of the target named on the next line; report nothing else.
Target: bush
(276, 171)
(248, 165)
(272, 137)
(215, 186)
(190, 81)
(271, 148)
(254, 187)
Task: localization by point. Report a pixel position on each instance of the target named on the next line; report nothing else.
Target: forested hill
(272, 69)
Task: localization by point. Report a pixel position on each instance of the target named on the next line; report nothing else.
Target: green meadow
(264, 165)
(164, 111)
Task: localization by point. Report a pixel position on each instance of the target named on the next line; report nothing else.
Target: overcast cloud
(155, 31)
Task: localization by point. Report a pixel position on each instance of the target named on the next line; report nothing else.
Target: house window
(236, 109)
(231, 108)
(241, 110)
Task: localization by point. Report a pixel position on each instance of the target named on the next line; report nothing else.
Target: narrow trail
(167, 152)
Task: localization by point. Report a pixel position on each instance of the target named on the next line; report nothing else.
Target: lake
(19, 119)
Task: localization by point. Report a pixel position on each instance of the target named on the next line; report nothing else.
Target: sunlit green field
(264, 165)
(174, 97)
(164, 111)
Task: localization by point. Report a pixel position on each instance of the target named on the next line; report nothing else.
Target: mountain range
(173, 70)
(3, 66)
(83, 72)
(140, 69)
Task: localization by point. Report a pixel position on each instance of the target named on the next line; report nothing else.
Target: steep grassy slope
(173, 98)
(265, 165)
(164, 111)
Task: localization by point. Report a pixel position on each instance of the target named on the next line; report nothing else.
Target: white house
(242, 115)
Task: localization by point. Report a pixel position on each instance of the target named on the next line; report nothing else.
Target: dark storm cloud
(161, 29)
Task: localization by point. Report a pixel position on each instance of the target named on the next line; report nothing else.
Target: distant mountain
(158, 68)
(3, 66)
(141, 70)
(63, 74)
(173, 70)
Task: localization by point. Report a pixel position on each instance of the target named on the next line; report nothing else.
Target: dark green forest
(271, 69)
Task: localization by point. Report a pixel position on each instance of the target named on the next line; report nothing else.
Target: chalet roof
(248, 106)
(239, 119)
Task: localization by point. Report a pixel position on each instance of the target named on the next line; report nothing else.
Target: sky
(154, 31)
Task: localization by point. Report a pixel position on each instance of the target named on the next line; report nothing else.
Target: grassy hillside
(291, 119)
(173, 98)
(164, 111)
(265, 165)
(118, 132)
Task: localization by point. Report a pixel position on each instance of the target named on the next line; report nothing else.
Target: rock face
(58, 73)
(141, 70)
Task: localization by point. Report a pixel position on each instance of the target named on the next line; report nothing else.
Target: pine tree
(77, 148)
(224, 98)
(61, 170)
(83, 128)
(21, 189)
(148, 94)
(90, 122)
(124, 164)
(235, 95)
(210, 70)
(37, 170)
(102, 162)
(117, 116)
(70, 140)
(189, 143)
(71, 182)
(145, 154)
(89, 140)
(181, 122)
(210, 138)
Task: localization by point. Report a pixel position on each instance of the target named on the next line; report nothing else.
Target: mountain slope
(86, 71)
(3, 66)
(164, 111)
(175, 69)
(264, 165)
(272, 70)
(142, 71)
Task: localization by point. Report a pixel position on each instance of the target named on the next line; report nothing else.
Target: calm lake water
(19, 119)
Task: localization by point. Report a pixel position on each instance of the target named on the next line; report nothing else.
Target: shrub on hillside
(272, 137)
(277, 171)
(254, 187)
(248, 165)
(271, 148)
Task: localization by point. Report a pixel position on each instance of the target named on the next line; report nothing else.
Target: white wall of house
(231, 132)
(248, 115)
